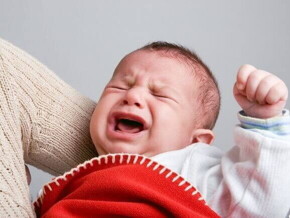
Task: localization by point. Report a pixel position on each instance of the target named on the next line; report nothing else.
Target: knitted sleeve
(44, 122)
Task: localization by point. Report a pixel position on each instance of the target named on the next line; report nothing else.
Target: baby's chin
(127, 148)
(117, 148)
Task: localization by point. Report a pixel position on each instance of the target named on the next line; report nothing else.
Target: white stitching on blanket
(106, 160)
(129, 158)
(200, 198)
(57, 183)
(50, 189)
(162, 170)
(149, 164)
(175, 178)
(195, 192)
(111, 158)
(156, 166)
(188, 187)
(143, 160)
(135, 159)
(168, 174)
(181, 183)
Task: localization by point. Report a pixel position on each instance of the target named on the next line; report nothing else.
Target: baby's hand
(260, 93)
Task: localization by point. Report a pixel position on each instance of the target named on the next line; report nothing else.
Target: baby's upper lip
(130, 116)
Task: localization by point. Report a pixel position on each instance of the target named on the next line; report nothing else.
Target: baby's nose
(134, 98)
(135, 103)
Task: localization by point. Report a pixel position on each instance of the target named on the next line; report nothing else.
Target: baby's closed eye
(117, 87)
(163, 96)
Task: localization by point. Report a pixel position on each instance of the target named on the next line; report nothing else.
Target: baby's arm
(260, 93)
(255, 181)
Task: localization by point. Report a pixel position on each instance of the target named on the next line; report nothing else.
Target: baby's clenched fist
(259, 93)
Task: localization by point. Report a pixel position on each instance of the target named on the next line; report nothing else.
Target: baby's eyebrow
(158, 84)
(127, 79)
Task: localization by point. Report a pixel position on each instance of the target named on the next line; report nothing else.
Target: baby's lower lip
(126, 136)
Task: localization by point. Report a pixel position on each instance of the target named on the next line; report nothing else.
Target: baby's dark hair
(208, 91)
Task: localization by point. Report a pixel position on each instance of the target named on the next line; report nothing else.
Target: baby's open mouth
(128, 125)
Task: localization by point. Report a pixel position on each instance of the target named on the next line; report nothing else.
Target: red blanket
(121, 185)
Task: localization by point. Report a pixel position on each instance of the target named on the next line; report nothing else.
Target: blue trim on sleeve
(279, 125)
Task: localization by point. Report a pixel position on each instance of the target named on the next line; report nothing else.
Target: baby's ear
(203, 135)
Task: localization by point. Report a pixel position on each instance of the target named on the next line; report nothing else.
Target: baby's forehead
(151, 63)
(161, 65)
(148, 59)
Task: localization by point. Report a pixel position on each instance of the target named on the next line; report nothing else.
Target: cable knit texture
(44, 122)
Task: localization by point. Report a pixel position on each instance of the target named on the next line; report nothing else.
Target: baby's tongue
(129, 126)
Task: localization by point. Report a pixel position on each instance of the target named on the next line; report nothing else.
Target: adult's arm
(43, 122)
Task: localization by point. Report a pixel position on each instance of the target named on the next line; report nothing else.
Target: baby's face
(147, 107)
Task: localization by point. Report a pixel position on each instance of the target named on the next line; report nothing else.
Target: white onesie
(250, 180)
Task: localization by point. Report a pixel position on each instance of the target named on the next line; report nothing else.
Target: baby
(163, 101)
(160, 98)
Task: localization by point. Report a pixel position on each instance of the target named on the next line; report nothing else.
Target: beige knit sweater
(43, 122)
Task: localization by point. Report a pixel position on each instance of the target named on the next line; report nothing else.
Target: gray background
(82, 41)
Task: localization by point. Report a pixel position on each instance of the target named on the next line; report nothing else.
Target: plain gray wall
(82, 41)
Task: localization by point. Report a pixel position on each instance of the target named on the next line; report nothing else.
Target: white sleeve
(253, 177)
